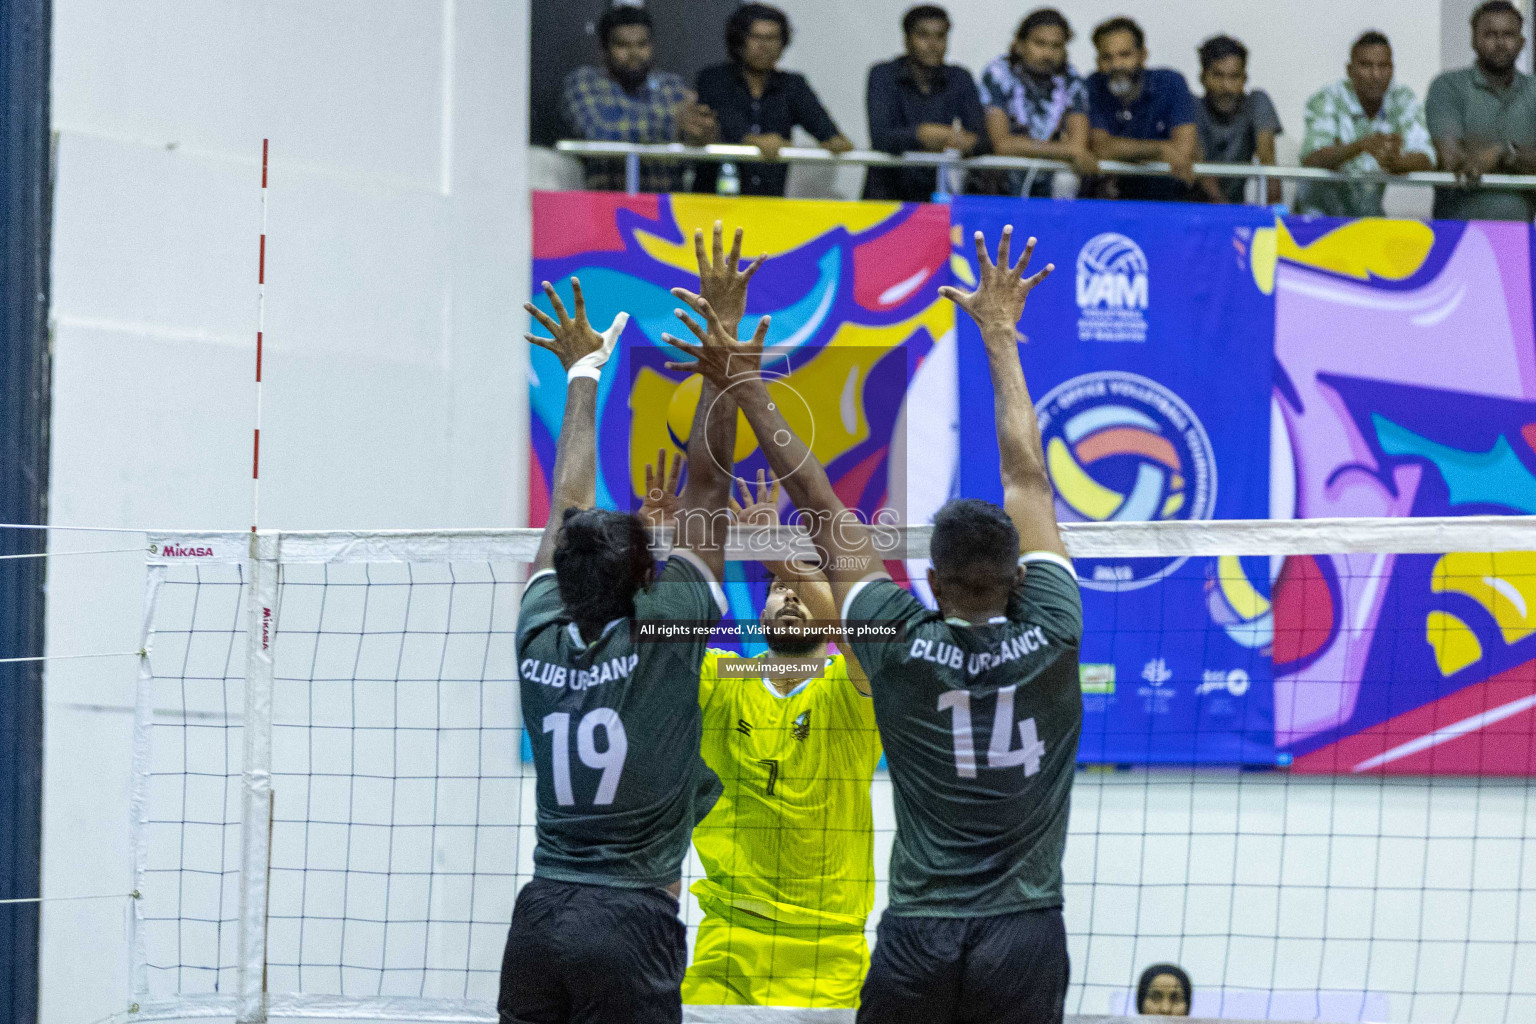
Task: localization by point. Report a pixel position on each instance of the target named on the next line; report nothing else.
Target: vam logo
(1113, 288)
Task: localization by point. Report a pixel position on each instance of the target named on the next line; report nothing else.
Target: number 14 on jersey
(1001, 753)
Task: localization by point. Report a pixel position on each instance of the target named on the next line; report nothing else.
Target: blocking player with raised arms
(979, 704)
(613, 720)
(788, 851)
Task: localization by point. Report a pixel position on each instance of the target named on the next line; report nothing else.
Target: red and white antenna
(261, 312)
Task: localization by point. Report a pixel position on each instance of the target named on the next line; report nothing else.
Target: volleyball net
(333, 812)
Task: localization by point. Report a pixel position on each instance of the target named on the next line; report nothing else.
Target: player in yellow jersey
(788, 850)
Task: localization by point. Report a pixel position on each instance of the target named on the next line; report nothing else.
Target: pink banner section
(1405, 386)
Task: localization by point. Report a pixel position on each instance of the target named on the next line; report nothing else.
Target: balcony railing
(632, 153)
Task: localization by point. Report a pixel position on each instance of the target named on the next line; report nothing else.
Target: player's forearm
(789, 458)
(1021, 458)
(574, 478)
(711, 450)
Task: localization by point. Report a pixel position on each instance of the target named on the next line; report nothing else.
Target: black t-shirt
(615, 728)
(787, 101)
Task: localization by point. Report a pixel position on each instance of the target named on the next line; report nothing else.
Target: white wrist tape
(591, 364)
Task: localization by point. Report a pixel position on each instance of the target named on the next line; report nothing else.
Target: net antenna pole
(257, 806)
(261, 316)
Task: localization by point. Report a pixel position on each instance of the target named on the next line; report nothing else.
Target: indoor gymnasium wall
(394, 370)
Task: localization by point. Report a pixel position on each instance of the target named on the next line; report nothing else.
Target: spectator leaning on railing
(1235, 125)
(1483, 120)
(1362, 124)
(627, 100)
(917, 102)
(759, 105)
(1140, 114)
(1037, 105)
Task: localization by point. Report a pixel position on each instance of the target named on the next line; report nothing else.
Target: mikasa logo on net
(180, 551)
(1113, 288)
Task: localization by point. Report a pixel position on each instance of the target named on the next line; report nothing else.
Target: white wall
(395, 394)
(1295, 47)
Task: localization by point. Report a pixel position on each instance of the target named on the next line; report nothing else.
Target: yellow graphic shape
(1242, 595)
(1080, 490)
(771, 226)
(961, 267)
(1173, 504)
(1393, 250)
(1262, 258)
(1503, 582)
(1455, 645)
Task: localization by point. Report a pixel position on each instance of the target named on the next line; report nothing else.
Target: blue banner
(1149, 355)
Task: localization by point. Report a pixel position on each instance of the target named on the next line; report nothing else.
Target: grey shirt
(1234, 139)
(1463, 106)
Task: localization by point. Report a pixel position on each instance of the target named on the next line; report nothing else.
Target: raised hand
(762, 511)
(720, 280)
(575, 342)
(998, 301)
(721, 358)
(662, 502)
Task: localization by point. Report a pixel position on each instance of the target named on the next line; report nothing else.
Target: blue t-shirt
(1163, 104)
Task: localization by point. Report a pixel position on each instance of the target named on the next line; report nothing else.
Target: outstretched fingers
(675, 473)
(983, 258)
(581, 300)
(1005, 247)
(1029, 251)
(545, 343)
(542, 317)
(760, 335)
(734, 260)
(755, 266)
(1034, 279)
(698, 248)
(955, 295)
(556, 304)
(691, 324)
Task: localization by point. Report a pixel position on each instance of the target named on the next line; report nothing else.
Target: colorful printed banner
(1186, 361)
(1147, 353)
(859, 333)
(1406, 384)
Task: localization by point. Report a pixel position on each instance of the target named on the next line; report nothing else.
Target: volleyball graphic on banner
(1120, 447)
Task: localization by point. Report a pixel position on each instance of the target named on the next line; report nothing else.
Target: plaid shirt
(599, 110)
(1335, 117)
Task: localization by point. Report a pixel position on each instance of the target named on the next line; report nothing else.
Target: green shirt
(615, 727)
(980, 725)
(1335, 117)
(1462, 106)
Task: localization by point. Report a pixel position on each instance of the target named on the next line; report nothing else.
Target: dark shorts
(578, 953)
(1010, 969)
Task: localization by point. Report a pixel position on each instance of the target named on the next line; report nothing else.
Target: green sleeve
(1048, 596)
(541, 605)
(1319, 131)
(881, 600)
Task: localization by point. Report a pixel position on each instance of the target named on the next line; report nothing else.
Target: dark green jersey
(615, 728)
(980, 725)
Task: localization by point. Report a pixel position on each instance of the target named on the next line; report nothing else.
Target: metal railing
(633, 153)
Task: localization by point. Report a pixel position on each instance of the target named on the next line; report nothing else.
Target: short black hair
(740, 25)
(1220, 48)
(1496, 7)
(973, 538)
(1043, 17)
(602, 559)
(1152, 972)
(1371, 38)
(1121, 24)
(619, 17)
(921, 13)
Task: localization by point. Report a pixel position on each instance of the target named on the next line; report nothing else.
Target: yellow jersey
(791, 839)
